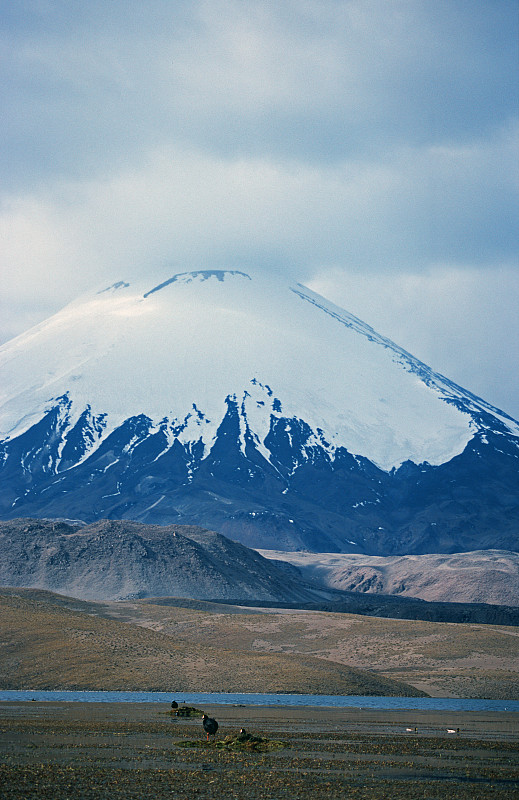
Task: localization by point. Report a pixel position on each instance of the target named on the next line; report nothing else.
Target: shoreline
(267, 699)
(59, 749)
(480, 723)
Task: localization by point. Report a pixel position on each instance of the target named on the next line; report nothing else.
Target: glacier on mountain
(167, 353)
(228, 377)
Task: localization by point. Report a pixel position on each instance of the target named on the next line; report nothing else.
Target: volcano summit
(256, 408)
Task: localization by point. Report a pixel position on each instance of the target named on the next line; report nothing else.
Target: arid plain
(97, 750)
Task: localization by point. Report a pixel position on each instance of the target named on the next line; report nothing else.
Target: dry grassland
(47, 646)
(140, 645)
(441, 659)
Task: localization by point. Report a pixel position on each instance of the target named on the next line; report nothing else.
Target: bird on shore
(452, 730)
(210, 726)
(411, 730)
(174, 704)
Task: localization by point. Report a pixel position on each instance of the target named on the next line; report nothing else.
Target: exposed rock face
(110, 560)
(254, 408)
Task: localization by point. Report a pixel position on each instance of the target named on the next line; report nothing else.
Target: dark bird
(210, 726)
(174, 704)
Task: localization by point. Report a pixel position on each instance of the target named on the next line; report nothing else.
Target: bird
(411, 730)
(174, 704)
(210, 726)
(451, 730)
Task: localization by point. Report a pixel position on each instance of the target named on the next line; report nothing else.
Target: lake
(223, 698)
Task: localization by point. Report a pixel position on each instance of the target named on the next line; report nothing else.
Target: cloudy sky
(367, 147)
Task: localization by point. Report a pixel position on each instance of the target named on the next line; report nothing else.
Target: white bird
(411, 730)
(451, 730)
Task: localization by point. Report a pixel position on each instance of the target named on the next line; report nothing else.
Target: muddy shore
(64, 750)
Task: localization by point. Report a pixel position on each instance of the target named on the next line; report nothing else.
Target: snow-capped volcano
(227, 399)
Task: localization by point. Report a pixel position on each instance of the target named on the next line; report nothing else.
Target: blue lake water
(222, 698)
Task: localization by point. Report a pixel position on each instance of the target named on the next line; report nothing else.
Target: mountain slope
(490, 576)
(111, 560)
(53, 645)
(256, 408)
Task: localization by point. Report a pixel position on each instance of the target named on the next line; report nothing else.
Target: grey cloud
(90, 86)
(351, 136)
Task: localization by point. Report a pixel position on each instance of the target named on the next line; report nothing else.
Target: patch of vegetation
(187, 711)
(243, 742)
(183, 711)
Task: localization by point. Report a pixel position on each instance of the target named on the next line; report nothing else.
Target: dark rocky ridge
(123, 559)
(342, 505)
(388, 606)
